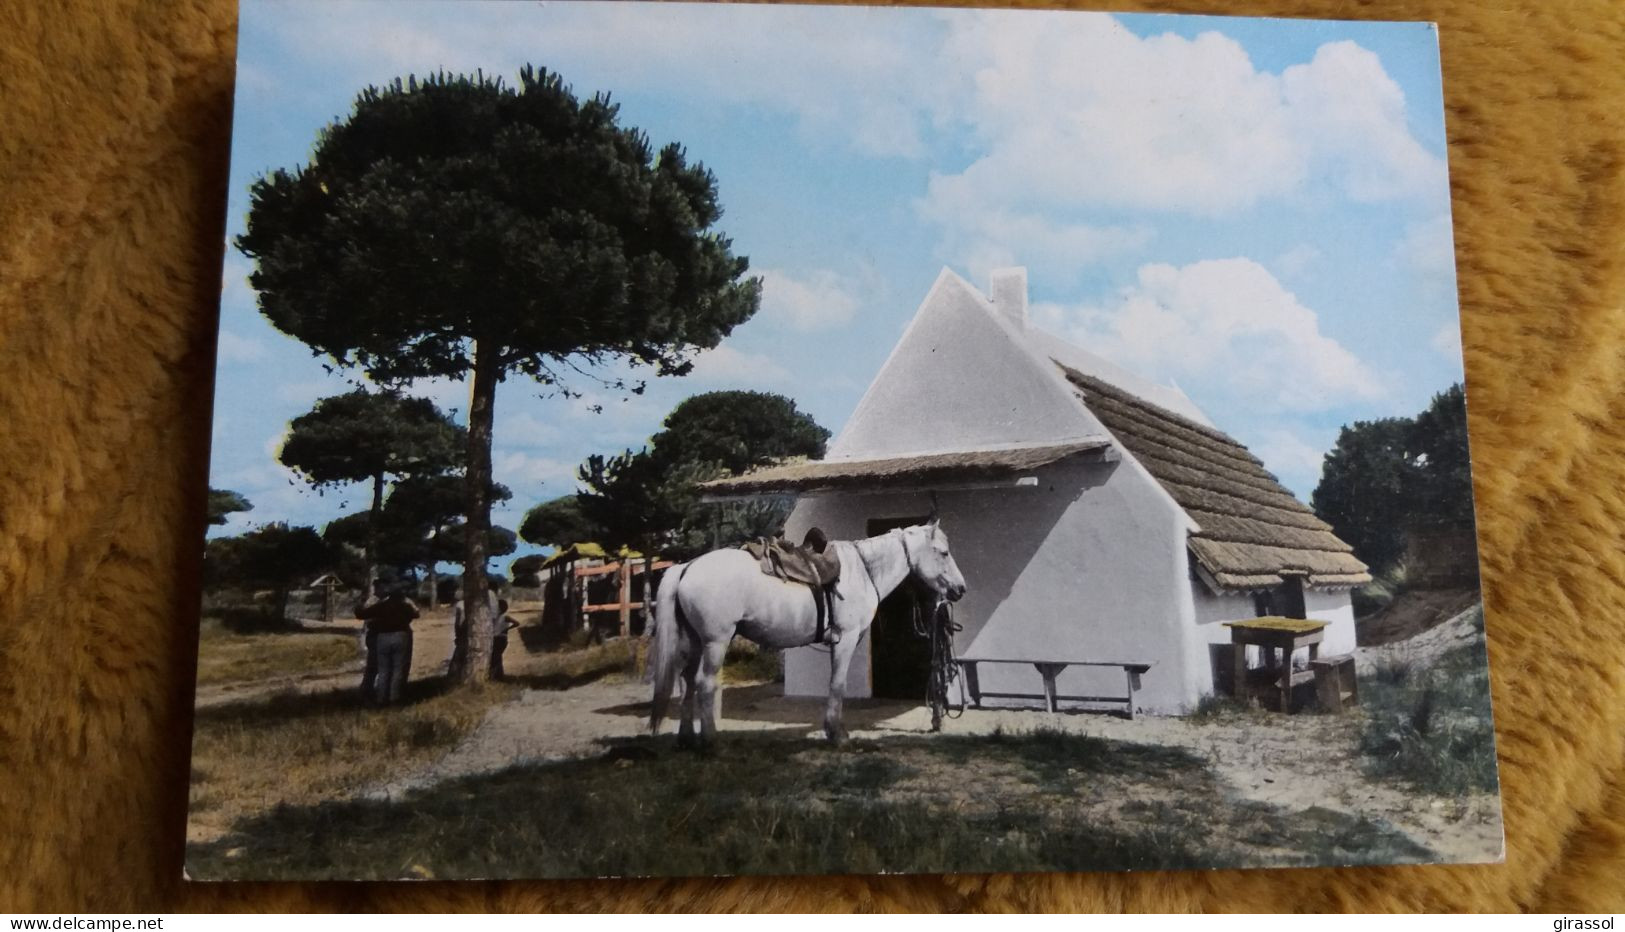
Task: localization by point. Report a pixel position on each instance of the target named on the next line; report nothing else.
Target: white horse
(702, 604)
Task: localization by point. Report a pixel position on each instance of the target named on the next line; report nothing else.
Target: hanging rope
(938, 625)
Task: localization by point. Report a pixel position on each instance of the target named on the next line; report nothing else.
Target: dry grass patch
(303, 749)
(228, 657)
(1030, 801)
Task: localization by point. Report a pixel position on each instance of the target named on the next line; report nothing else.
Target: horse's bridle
(908, 560)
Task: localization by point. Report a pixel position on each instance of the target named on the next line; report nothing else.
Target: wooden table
(1275, 635)
(1048, 670)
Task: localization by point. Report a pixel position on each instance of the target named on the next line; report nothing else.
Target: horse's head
(931, 562)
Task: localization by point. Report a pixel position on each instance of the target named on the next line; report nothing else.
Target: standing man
(390, 620)
(369, 648)
(499, 638)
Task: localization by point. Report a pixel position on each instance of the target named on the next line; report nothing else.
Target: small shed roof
(1254, 533)
(901, 471)
(587, 550)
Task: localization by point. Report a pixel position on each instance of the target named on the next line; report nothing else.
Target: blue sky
(1256, 210)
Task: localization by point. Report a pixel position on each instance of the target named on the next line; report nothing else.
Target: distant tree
(370, 437)
(459, 227)
(416, 517)
(499, 542)
(274, 556)
(647, 500)
(738, 430)
(527, 571)
(223, 502)
(559, 523)
(346, 539)
(1439, 438)
(1385, 476)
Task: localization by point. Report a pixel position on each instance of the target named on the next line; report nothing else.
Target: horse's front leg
(840, 661)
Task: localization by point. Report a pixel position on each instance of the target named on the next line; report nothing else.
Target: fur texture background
(114, 126)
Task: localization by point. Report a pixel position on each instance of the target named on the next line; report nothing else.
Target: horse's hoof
(685, 742)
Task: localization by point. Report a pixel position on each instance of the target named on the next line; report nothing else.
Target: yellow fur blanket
(114, 122)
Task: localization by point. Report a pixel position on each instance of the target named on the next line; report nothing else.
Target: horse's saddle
(805, 565)
(812, 564)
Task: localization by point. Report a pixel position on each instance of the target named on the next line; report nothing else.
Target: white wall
(1338, 609)
(1088, 565)
(959, 380)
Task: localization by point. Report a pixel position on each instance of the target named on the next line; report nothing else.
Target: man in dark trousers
(390, 622)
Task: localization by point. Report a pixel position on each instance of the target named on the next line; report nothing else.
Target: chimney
(1008, 292)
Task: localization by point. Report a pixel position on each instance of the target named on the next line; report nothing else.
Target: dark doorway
(899, 658)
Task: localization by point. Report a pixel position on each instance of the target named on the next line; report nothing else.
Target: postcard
(706, 439)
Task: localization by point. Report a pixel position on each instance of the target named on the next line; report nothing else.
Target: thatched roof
(900, 471)
(1254, 533)
(588, 550)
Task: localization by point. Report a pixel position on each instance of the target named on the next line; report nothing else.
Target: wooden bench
(1049, 670)
(1336, 686)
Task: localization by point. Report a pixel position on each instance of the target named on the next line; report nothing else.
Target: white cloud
(852, 84)
(1448, 341)
(448, 395)
(520, 470)
(1226, 329)
(305, 392)
(735, 369)
(233, 348)
(1294, 460)
(1428, 247)
(524, 431)
(820, 300)
(1074, 113)
(1294, 261)
(234, 271)
(979, 241)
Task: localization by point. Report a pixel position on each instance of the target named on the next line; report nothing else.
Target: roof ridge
(1084, 380)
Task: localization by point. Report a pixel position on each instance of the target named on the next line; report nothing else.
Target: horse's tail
(665, 649)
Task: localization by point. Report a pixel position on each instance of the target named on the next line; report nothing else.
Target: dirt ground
(1413, 613)
(1295, 762)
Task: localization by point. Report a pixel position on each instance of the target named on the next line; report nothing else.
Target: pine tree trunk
(372, 535)
(481, 412)
(433, 567)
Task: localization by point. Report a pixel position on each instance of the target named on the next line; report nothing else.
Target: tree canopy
(366, 436)
(274, 556)
(1386, 475)
(223, 502)
(648, 500)
(738, 430)
(457, 208)
(559, 522)
(459, 226)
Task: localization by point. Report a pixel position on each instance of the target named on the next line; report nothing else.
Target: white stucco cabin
(1095, 515)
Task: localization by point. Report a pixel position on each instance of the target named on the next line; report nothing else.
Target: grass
(1430, 728)
(225, 656)
(327, 745)
(787, 806)
(304, 748)
(1380, 592)
(1215, 709)
(747, 662)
